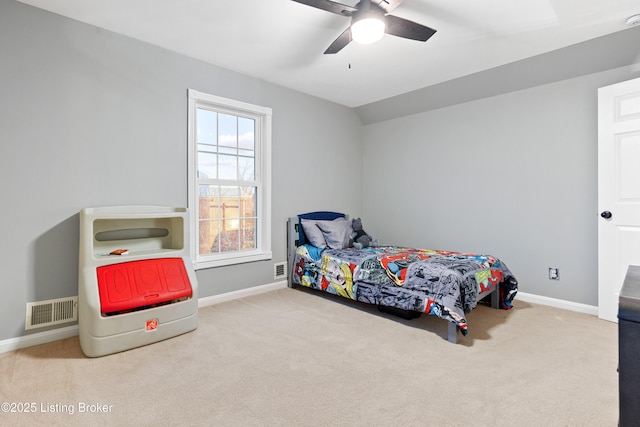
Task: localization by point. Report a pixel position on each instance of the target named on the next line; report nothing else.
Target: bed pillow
(313, 234)
(315, 216)
(337, 233)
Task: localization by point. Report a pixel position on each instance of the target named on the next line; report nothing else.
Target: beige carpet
(295, 358)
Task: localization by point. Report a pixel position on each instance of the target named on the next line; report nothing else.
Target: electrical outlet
(554, 273)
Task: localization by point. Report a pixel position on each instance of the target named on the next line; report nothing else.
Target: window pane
(246, 167)
(209, 202)
(209, 237)
(229, 241)
(248, 234)
(227, 167)
(207, 165)
(228, 130)
(230, 193)
(229, 209)
(248, 202)
(206, 132)
(246, 131)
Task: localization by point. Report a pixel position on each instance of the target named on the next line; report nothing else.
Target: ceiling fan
(370, 20)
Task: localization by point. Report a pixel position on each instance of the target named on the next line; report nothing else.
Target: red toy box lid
(135, 284)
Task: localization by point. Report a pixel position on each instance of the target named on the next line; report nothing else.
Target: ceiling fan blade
(330, 6)
(388, 5)
(340, 42)
(404, 28)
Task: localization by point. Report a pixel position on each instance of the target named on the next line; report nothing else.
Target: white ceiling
(282, 41)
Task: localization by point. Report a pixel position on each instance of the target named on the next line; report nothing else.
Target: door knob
(606, 214)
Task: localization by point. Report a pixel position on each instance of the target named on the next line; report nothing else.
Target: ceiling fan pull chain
(350, 49)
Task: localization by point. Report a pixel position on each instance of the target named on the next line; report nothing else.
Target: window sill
(232, 260)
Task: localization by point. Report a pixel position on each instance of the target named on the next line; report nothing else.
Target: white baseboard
(558, 303)
(71, 331)
(229, 296)
(38, 338)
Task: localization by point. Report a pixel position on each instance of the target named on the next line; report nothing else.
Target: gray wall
(92, 118)
(603, 53)
(513, 175)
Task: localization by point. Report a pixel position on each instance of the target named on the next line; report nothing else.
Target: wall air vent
(280, 270)
(51, 312)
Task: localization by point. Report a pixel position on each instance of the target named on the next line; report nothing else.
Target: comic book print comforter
(440, 283)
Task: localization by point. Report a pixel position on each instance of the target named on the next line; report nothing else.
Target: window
(229, 181)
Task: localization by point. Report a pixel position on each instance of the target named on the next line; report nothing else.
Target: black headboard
(295, 234)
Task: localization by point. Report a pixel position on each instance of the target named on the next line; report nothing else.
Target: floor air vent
(280, 270)
(51, 312)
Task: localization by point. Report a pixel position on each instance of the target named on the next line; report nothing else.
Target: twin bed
(399, 280)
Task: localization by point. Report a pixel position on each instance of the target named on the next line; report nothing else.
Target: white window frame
(262, 116)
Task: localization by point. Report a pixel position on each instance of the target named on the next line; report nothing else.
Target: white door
(618, 190)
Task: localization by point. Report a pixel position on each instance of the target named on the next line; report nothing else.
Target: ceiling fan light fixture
(368, 29)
